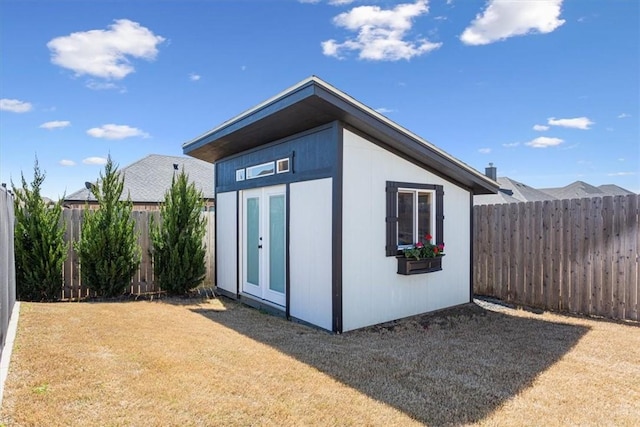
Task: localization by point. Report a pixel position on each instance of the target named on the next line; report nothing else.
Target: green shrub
(108, 247)
(178, 250)
(39, 242)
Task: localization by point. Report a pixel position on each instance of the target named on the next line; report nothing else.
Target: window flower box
(423, 257)
(408, 266)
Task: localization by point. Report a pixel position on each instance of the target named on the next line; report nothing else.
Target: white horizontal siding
(310, 251)
(226, 242)
(372, 291)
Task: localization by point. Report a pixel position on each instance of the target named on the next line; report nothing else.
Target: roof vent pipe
(491, 171)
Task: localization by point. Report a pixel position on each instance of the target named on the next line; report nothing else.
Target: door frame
(262, 291)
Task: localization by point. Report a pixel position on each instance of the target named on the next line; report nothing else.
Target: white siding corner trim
(310, 251)
(226, 241)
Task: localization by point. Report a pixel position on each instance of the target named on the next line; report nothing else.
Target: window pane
(258, 171)
(424, 216)
(276, 243)
(282, 165)
(253, 241)
(405, 219)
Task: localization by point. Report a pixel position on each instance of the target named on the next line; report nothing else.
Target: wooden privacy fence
(142, 281)
(579, 256)
(7, 264)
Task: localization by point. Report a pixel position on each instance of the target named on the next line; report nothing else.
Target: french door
(263, 243)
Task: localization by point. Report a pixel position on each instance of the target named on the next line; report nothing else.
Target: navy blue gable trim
(311, 155)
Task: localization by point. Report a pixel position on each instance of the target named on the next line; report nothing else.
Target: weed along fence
(142, 282)
(579, 255)
(7, 263)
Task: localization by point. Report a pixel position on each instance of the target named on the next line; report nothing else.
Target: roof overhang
(312, 103)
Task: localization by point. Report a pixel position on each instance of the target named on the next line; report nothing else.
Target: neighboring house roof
(148, 179)
(575, 190)
(614, 190)
(522, 192)
(312, 103)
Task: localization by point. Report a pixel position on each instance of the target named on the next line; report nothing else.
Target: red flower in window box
(423, 250)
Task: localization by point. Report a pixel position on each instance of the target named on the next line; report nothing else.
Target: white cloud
(621, 174)
(544, 142)
(105, 53)
(309, 1)
(15, 105)
(65, 162)
(575, 123)
(507, 18)
(511, 144)
(94, 161)
(94, 85)
(484, 150)
(111, 131)
(56, 124)
(340, 2)
(383, 110)
(540, 128)
(380, 33)
(194, 77)
(624, 116)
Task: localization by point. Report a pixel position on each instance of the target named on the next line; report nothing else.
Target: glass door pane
(253, 240)
(277, 243)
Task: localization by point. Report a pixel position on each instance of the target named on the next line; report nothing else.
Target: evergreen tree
(178, 249)
(108, 248)
(40, 250)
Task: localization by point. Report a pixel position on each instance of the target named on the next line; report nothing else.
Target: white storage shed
(316, 196)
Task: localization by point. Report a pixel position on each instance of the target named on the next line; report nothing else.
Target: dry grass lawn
(216, 362)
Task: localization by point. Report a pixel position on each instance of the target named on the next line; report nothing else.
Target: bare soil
(216, 362)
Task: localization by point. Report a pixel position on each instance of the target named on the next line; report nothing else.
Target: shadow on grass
(453, 367)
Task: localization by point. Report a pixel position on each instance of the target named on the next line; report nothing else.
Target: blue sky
(549, 91)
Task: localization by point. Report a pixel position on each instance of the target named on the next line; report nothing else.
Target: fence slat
(584, 304)
(607, 256)
(537, 277)
(553, 300)
(632, 237)
(514, 222)
(619, 207)
(579, 255)
(520, 253)
(596, 239)
(504, 252)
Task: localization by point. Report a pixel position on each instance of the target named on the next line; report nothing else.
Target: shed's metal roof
(313, 102)
(148, 179)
